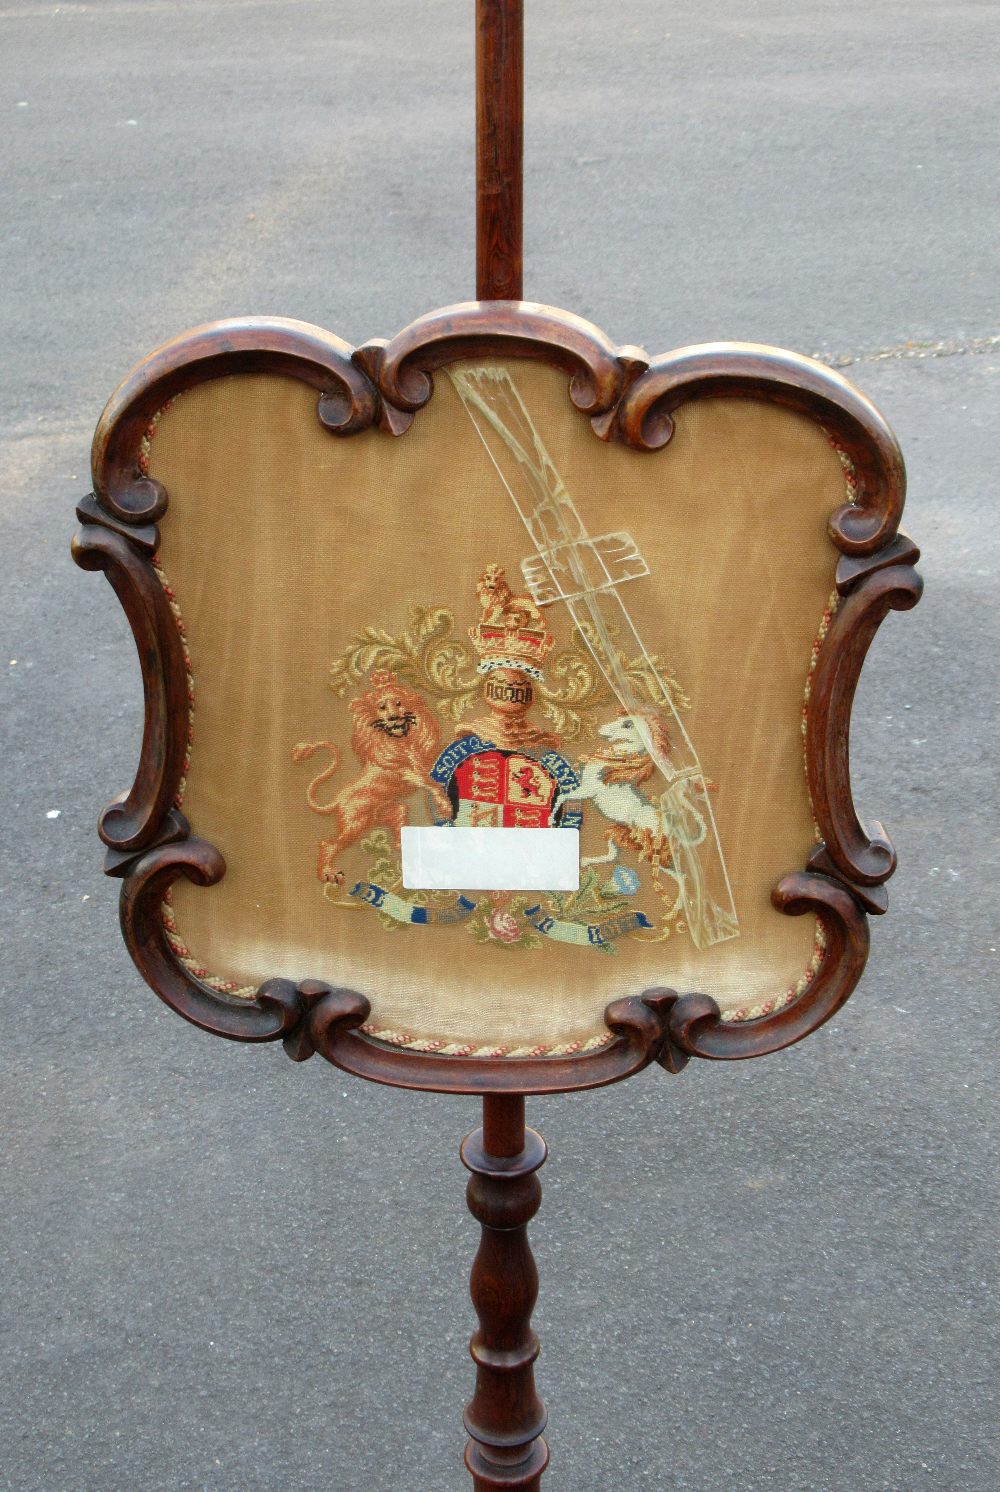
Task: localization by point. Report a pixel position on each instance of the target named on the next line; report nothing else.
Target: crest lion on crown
(511, 631)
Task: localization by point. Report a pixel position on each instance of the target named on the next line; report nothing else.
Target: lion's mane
(422, 742)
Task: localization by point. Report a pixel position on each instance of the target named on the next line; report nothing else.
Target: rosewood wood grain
(854, 567)
(499, 148)
(864, 857)
(347, 401)
(695, 1022)
(136, 818)
(144, 536)
(505, 1417)
(871, 899)
(624, 396)
(638, 1026)
(278, 1007)
(173, 829)
(600, 372)
(743, 370)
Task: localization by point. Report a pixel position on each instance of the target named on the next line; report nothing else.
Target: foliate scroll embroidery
(505, 767)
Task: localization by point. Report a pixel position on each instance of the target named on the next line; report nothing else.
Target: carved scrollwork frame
(625, 396)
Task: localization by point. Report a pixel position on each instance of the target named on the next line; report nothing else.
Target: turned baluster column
(505, 1417)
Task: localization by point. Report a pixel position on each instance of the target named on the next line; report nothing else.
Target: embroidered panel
(496, 621)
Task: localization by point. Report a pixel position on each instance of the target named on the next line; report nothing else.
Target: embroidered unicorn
(611, 780)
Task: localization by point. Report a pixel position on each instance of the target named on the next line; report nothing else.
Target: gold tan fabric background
(282, 541)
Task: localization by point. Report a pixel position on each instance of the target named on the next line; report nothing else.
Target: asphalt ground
(222, 1271)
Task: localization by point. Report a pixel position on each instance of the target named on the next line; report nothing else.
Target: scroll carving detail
(624, 396)
(860, 856)
(746, 371)
(696, 1025)
(347, 404)
(638, 1026)
(132, 821)
(600, 372)
(277, 1009)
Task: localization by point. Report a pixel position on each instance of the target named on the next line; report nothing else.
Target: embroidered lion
(500, 606)
(396, 739)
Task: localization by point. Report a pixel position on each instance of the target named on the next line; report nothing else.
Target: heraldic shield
(632, 611)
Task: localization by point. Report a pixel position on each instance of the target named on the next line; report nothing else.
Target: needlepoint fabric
(496, 620)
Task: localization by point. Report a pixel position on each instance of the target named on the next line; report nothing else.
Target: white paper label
(443, 858)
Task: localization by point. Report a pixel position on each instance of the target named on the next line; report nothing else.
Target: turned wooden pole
(499, 148)
(505, 1417)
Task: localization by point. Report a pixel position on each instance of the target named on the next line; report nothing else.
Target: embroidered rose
(505, 927)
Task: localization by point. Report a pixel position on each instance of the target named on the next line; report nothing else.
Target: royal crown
(511, 632)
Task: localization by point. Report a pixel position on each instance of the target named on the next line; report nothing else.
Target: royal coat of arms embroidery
(448, 734)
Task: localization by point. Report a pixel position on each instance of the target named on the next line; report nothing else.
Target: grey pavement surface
(224, 1272)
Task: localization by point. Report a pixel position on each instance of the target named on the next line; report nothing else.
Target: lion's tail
(301, 753)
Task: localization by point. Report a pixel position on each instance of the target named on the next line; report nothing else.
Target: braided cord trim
(441, 1046)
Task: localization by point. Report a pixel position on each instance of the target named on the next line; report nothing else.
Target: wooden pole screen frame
(628, 398)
